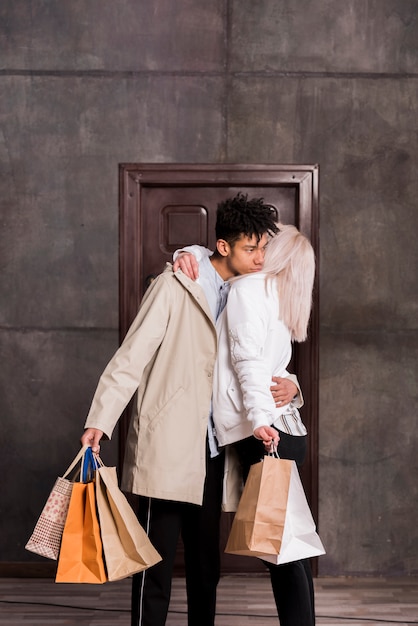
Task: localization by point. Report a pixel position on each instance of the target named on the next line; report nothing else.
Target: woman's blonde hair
(290, 259)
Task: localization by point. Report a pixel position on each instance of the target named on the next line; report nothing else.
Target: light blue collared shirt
(216, 292)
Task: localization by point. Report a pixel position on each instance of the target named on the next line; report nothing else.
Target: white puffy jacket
(254, 345)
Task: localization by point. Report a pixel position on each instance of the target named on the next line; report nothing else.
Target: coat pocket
(234, 394)
(169, 406)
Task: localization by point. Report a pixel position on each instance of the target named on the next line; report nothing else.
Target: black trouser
(292, 583)
(165, 521)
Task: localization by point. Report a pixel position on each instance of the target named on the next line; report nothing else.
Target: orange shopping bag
(81, 555)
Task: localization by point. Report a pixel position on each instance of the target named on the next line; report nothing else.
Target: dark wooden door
(166, 206)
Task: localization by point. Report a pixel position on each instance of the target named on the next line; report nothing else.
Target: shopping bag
(81, 554)
(257, 528)
(300, 539)
(273, 520)
(46, 537)
(127, 549)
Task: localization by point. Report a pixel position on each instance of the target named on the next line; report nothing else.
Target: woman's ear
(223, 247)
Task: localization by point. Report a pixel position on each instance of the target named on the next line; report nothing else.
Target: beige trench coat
(167, 359)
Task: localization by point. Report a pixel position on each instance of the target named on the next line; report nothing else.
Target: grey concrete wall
(86, 85)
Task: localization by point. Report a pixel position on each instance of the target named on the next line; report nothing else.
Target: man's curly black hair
(240, 216)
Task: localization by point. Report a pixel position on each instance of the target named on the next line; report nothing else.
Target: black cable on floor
(108, 610)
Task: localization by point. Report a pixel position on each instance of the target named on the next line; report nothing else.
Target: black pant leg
(293, 593)
(151, 589)
(201, 529)
(250, 451)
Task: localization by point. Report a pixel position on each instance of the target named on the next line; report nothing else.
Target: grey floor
(242, 600)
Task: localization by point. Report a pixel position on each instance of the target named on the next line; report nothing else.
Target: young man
(172, 461)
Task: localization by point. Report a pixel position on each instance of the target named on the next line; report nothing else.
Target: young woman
(265, 312)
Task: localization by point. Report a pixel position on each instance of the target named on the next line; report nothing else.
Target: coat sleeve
(122, 376)
(198, 251)
(247, 329)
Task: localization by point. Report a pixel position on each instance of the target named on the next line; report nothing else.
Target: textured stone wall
(86, 85)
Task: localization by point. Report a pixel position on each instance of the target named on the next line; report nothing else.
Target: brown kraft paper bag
(127, 548)
(258, 524)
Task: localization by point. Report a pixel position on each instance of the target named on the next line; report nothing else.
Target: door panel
(164, 207)
(173, 216)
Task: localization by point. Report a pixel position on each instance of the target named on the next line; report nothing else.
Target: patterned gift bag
(46, 537)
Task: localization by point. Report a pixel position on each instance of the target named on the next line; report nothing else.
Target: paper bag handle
(273, 451)
(89, 465)
(76, 460)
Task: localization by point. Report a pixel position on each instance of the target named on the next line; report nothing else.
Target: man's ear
(223, 247)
